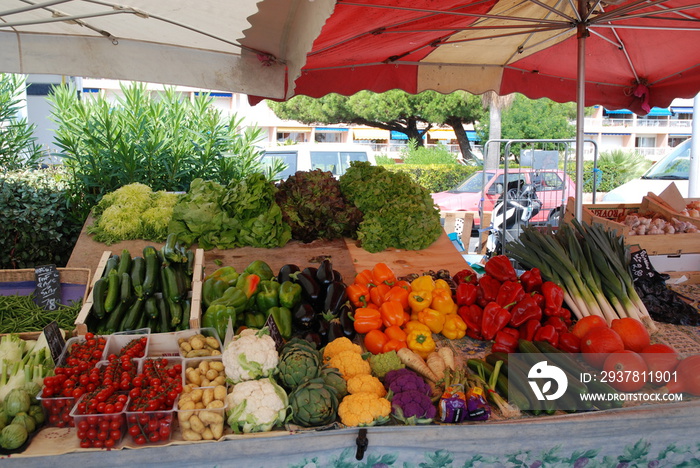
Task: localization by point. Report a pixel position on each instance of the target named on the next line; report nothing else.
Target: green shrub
(435, 177)
(164, 141)
(614, 168)
(36, 226)
(18, 147)
(439, 154)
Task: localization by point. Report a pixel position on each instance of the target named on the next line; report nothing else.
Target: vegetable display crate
(611, 215)
(195, 294)
(22, 282)
(111, 425)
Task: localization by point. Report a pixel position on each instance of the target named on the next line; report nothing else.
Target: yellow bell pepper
(442, 301)
(419, 300)
(412, 325)
(434, 319)
(423, 283)
(421, 343)
(454, 328)
(442, 284)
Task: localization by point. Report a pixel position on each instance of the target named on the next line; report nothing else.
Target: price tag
(55, 340)
(641, 265)
(47, 294)
(274, 331)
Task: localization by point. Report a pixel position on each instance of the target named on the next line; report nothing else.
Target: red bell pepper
(472, 315)
(489, 287)
(558, 324)
(466, 294)
(465, 276)
(528, 329)
(510, 330)
(505, 342)
(493, 319)
(553, 297)
(569, 342)
(525, 310)
(531, 280)
(549, 334)
(500, 268)
(539, 299)
(509, 294)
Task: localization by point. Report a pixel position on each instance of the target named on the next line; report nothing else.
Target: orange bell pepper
(411, 325)
(367, 319)
(382, 274)
(358, 294)
(377, 294)
(403, 284)
(443, 302)
(434, 319)
(365, 278)
(423, 283)
(394, 345)
(454, 328)
(392, 313)
(395, 332)
(398, 294)
(375, 341)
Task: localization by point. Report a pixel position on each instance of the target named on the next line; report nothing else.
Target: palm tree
(495, 104)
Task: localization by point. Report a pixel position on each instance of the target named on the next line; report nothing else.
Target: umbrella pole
(580, 107)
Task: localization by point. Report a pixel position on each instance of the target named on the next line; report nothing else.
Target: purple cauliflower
(413, 407)
(402, 380)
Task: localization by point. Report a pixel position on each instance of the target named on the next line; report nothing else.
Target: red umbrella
(633, 54)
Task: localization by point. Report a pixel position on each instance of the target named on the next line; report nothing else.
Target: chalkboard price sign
(47, 294)
(641, 265)
(54, 338)
(274, 331)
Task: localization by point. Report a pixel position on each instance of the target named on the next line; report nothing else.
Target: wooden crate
(196, 299)
(609, 216)
(79, 276)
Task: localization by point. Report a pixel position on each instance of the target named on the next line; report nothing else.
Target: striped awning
(294, 129)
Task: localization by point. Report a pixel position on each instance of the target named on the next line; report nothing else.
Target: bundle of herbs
(315, 208)
(397, 212)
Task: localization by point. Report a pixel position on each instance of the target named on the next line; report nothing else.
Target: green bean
(21, 314)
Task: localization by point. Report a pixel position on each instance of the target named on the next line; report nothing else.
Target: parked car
(332, 157)
(552, 188)
(674, 167)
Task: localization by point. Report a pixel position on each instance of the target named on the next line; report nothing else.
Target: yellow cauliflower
(349, 364)
(366, 383)
(338, 346)
(364, 409)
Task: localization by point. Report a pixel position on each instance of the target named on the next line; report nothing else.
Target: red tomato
(625, 370)
(660, 357)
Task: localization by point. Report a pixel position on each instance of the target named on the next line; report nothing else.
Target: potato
(196, 423)
(216, 352)
(185, 348)
(217, 430)
(196, 394)
(212, 342)
(211, 374)
(187, 405)
(220, 392)
(203, 367)
(187, 388)
(191, 435)
(181, 340)
(215, 404)
(185, 424)
(220, 380)
(197, 343)
(193, 376)
(198, 353)
(218, 366)
(207, 434)
(207, 396)
(211, 417)
(199, 405)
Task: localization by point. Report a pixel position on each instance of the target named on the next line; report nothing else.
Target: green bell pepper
(260, 268)
(283, 319)
(248, 283)
(217, 317)
(227, 274)
(212, 289)
(232, 297)
(290, 295)
(254, 320)
(267, 296)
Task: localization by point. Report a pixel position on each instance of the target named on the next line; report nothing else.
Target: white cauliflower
(256, 406)
(250, 355)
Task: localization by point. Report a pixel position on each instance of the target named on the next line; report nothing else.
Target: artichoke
(331, 376)
(297, 364)
(313, 403)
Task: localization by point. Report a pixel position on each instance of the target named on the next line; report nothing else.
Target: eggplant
(312, 337)
(324, 273)
(334, 298)
(337, 276)
(323, 329)
(346, 321)
(310, 289)
(311, 271)
(335, 330)
(304, 317)
(286, 272)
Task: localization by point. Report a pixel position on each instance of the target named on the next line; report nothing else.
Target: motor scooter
(513, 210)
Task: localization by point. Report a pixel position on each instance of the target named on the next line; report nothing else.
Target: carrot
(414, 362)
(448, 356)
(436, 364)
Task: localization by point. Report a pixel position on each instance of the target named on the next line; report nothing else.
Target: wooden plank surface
(442, 254)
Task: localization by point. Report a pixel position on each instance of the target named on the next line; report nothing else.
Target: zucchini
(112, 291)
(150, 256)
(112, 264)
(99, 291)
(604, 388)
(115, 318)
(151, 307)
(138, 272)
(185, 321)
(144, 320)
(169, 250)
(189, 269)
(153, 324)
(125, 287)
(175, 313)
(517, 377)
(171, 288)
(131, 318)
(124, 262)
(163, 315)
